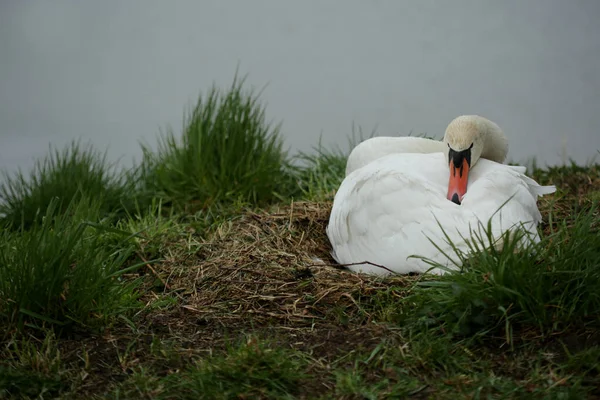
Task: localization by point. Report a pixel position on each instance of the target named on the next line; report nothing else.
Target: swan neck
(495, 143)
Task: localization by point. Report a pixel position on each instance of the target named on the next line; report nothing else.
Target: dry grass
(577, 187)
(269, 269)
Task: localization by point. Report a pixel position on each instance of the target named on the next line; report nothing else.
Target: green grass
(68, 175)
(550, 287)
(253, 369)
(32, 369)
(433, 367)
(150, 228)
(227, 152)
(320, 173)
(63, 270)
(204, 273)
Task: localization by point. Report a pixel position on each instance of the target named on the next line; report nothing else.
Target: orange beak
(459, 163)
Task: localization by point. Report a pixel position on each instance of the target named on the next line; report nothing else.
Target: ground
(257, 308)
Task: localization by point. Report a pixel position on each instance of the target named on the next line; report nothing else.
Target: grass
(68, 175)
(184, 278)
(32, 368)
(227, 152)
(551, 288)
(248, 370)
(319, 173)
(63, 270)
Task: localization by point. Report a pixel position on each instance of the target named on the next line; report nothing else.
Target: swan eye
(470, 147)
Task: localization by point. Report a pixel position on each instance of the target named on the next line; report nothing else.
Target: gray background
(116, 72)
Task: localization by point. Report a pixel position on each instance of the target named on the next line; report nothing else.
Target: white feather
(390, 208)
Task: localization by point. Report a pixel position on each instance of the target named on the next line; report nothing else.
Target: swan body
(377, 147)
(394, 206)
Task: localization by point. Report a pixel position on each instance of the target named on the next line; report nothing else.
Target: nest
(269, 270)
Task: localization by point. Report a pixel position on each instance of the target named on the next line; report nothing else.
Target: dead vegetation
(269, 270)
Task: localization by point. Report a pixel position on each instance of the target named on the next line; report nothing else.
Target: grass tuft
(68, 175)
(547, 287)
(320, 173)
(32, 368)
(227, 152)
(63, 271)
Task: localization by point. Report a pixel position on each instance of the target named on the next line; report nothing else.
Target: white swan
(401, 192)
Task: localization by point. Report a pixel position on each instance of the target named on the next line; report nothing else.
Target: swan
(401, 194)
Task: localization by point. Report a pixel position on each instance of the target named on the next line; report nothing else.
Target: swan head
(470, 137)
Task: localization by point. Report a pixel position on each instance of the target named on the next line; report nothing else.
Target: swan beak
(460, 162)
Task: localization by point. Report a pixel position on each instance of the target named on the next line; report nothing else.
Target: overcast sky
(116, 72)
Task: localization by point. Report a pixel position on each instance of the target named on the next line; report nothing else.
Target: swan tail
(538, 190)
(543, 190)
